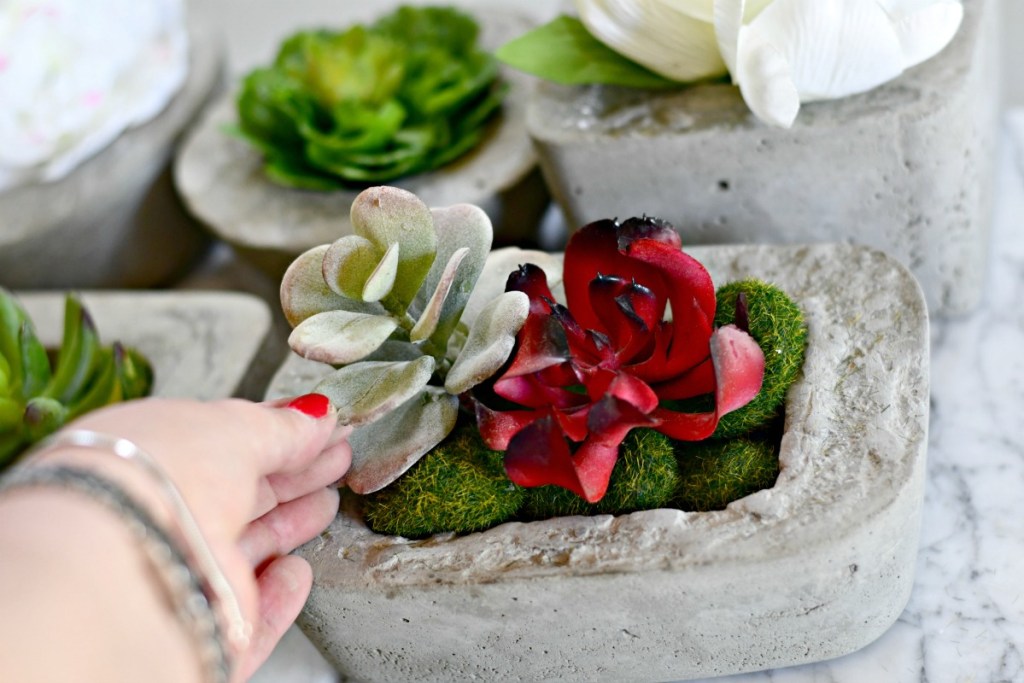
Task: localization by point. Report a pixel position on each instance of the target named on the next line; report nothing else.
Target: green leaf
(363, 392)
(348, 264)
(490, 341)
(304, 292)
(383, 450)
(339, 337)
(564, 51)
(389, 215)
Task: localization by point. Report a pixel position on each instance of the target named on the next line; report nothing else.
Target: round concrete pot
(816, 567)
(221, 179)
(906, 168)
(115, 221)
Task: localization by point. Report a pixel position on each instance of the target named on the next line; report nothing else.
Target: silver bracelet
(207, 602)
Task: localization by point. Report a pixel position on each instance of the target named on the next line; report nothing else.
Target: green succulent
(385, 307)
(37, 399)
(371, 104)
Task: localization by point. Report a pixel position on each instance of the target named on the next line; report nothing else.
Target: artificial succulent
(389, 307)
(370, 104)
(37, 399)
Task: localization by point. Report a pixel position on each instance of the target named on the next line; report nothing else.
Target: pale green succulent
(385, 306)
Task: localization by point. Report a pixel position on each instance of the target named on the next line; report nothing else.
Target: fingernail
(314, 405)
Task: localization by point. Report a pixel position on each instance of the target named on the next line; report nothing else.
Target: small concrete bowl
(115, 221)
(816, 567)
(201, 345)
(222, 182)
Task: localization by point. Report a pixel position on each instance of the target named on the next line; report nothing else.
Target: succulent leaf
(490, 341)
(77, 355)
(462, 226)
(494, 274)
(43, 416)
(104, 387)
(363, 392)
(389, 215)
(338, 337)
(35, 364)
(11, 317)
(304, 292)
(348, 264)
(382, 279)
(427, 324)
(383, 450)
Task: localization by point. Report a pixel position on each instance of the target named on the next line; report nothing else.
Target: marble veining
(965, 619)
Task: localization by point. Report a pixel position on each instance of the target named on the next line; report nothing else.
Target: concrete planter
(816, 567)
(906, 168)
(201, 344)
(114, 221)
(222, 181)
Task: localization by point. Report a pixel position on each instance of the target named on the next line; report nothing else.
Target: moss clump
(777, 324)
(459, 486)
(715, 473)
(645, 477)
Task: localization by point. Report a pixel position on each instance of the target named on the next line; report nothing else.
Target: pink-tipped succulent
(635, 336)
(390, 308)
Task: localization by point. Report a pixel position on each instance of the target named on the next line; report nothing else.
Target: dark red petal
(530, 391)
(540, 344)
(574, 422)
(540, 455)
(498, 427)
(609, 422)
(530, 279)
(685, 426)
(739, 368)
(595, 461)
(634, 392)
(694, 382)
(648, 227)
(686, 278)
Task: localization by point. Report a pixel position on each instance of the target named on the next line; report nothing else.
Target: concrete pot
(906, 168)
(816, 567)
(201, 344)
(114, 221)
(222, 181)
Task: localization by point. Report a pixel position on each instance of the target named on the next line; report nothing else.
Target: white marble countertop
(965, 619)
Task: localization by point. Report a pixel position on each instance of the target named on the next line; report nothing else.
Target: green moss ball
(715, 473)
(459, 486)
(645, 477)
(777, 324)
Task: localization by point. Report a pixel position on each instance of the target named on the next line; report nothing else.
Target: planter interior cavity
(816, 567)
(222, 181)
(201, 345)
(115, 221)
(906, 168)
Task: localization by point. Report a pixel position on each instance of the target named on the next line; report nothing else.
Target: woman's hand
(255, 476)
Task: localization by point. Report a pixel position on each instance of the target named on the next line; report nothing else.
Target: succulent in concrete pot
(37, 399)
(537, 397)
(384, 306)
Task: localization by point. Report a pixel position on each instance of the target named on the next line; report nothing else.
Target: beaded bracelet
(203, 596)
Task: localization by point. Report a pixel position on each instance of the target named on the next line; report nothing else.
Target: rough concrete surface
(114, 221)
(906, 168)
(201, 344)
(813, 568)
(221, 178)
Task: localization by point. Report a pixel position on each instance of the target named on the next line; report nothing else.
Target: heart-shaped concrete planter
(815, 567)
(906, 168)
(115, 221)
(201, 345)
(221, 178)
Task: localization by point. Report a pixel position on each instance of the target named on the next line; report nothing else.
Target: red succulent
(583, 375)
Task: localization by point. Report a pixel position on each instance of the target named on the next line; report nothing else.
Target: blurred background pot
(114, 221)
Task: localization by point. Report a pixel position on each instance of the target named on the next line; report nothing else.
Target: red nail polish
(314, 405)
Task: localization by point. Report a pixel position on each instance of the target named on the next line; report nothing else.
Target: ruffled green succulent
(37, 399)
(405, 95)
(390, 308)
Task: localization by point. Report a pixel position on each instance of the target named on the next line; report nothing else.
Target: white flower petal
(923, 33)
(728, 22)
(656, 35)
(834, 48)
(766, 81)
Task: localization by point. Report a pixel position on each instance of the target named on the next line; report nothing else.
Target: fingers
(288, 526)
(327, 469)
(283, 588)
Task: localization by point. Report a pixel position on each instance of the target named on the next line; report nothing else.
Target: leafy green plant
(370, 104)
(37, 399)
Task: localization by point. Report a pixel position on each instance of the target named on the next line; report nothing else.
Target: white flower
(75, 74)
(780, 52)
